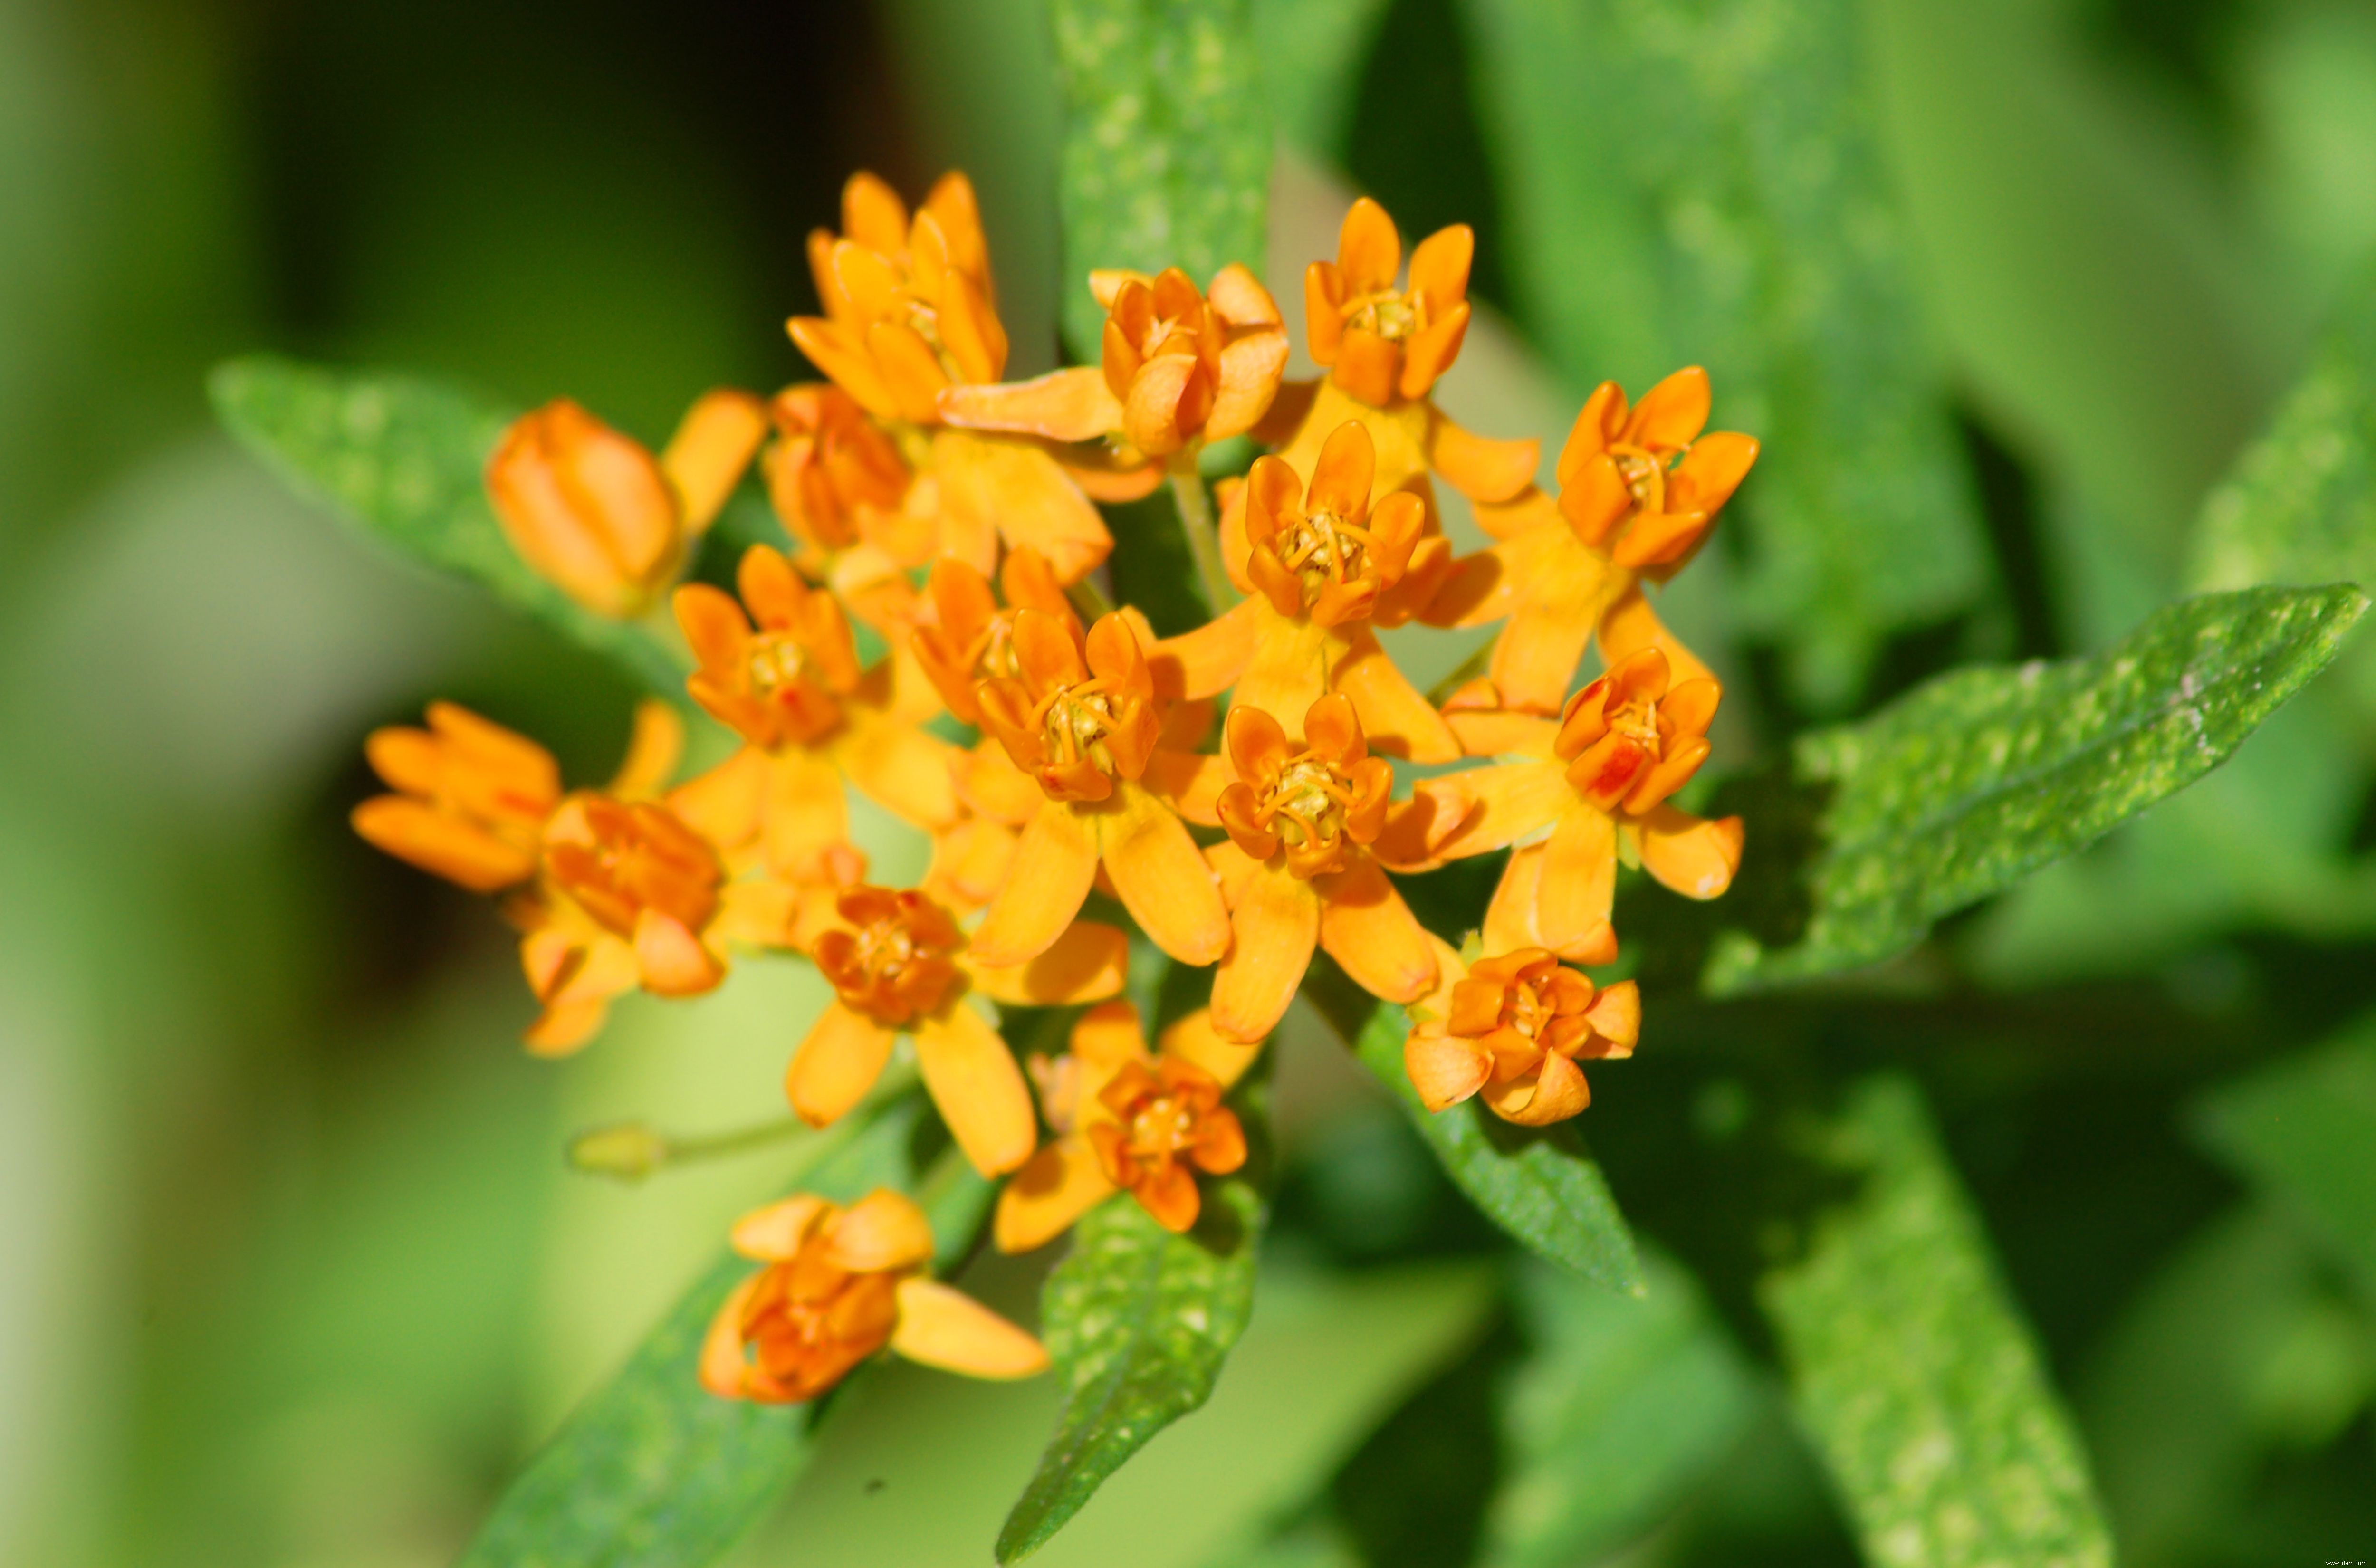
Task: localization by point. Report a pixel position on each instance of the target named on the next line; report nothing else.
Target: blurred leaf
(2304, 1132)
(1167, 144)
(1623, 1408)
(2300, 506)
(1915, 1371)
(1966, 785)
(1698, 184)
(1139, 1321)
(655, 1472)
(1311, 52)
(406, 457)
(1541, 1184)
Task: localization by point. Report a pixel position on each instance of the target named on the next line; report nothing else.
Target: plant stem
(1203, 534)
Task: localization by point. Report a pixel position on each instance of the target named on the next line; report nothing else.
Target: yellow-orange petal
(1629, 625)
(1579, 880)
(1324, 327)
(1616, 1019)
(1367, 928)
(1194, 1040)
(971, 330)
(721, 1347)
(1064, 405)
(1169, 400)
(940, 1326)
(1055, 1187)
(1692, 856)
(566, 1026)
(836, 1064)
(441, 844)
(1008, 487)
(1671, 414)
(671, 958)
(977, 1087)
(1431, 353)
(910, 371)
(1275, 925)
(1192, 782)
(899, 768)
(1160, 875)
(1340, 479)
(885, 1230)
(1055, 861)
(1715, 466)
(1553, 1092)
(805, 813)
(1369, 252)
(1446, 1069)
(713, 445)
(1509, 915)
(1656, 539)
(872, 214)
(1397, 719)
(1213, 657)
(1089, 963)
(1250, 369)
(1484, 469)
(836, 350)
(1367, 366)
(1509, 803)
(1535, 657)
(773, 1233)
(1287, 670)
(1439, 266)
(655, 744)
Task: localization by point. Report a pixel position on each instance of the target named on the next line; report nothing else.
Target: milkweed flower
(1300, 869)
(1080, 719)
(1598, 779)
(899, 963)
(839, 486)
(1127, 1121)
(1511, 1028)
(910, 313)
(1639, 489)
(965, 635)
(1380, 343)
(1178, 368)
(1321, 557)
(471, 799)
(596, 513)
(840, 1285)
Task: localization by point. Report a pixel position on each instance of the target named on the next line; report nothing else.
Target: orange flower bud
(1382, 343)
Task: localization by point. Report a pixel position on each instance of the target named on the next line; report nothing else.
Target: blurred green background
(294, 1273)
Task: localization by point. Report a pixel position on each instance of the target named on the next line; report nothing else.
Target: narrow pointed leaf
(1970, 783)
(1912, 1367)
(1541, 1184)
(404, 458)
(1166, 158)
(1138, 1321)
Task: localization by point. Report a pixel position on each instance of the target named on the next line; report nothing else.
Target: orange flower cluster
(947, 516)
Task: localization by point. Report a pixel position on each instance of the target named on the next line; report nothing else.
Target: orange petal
(654, 747)
(774, 1234)
(977, 1087)
(872, 214)
(1369, 252)
(805, 811)
(1089, 963)
(1212, 658)
(1275, 925)
(836, 1064)
(671, 958)
(1510, 918)
(722, 1365)
(1021, 493)
(564, 1026)
(909, 369)
(1670, 415)
(901, 768)
(1161, 876)
(834, 348)
(1054, 863)
(971, 330)
(1431, 353)
(1064, 405)
(1616, 1019)
(943, 1327)
(1191, 782)
(1169, 400)
(882, 1230)
(1715, 466)
(1494, 472)
(1629, 625)
(1509, 803)
(1170, 1196)
(443, 845)
(1596, 424)
(1535, 656)
(1692, 856)
(1579, 880)
(1439, 266)
(1553, 1092)
(1324, 293)
(1195, 1042)
(1341, 479)
(1250, 369)
(713, 445)
(1397, 719)
(1055, 1187)
(1654, 539)
(1367, 928)
(1444, 1069)
(1366, 367)
(1595, 499)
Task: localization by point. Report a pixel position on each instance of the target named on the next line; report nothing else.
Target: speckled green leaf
(404, 458)
(1913, 1370)
(1971, 782)
(2304, 1132)
(1140, 1322)
(1541, 1184)
(653, 1470)
(1620, 1408)
(1167, 144)
(1698, 183)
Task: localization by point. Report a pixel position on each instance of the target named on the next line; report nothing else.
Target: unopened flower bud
(628, 1150)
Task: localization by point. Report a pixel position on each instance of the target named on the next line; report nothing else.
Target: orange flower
(839, 1285)
(1179, 369)
(1512, 1027)
(1598, 779)
(1080, 716)
(909, 315)
(597, 514)
(901, 965)
(1319, 557)
(840, 486)
(967, 637)
(472, 799)
(1126, 1121)
(1380, 343)
(791, 686)
(1298, 870)
(1638, 490)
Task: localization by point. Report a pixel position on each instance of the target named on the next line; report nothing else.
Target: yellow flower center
(1076, 719)
(1323, 548)
(1644, 473)
(1391, 314)
(775, 662)
(1162, 1123)
(1307, 805)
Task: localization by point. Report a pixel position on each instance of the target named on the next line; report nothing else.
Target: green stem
(1203, 534)
(631, 1150)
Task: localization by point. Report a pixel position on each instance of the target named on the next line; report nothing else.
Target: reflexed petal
(1397, 719)
(901, 768)
(882, 1230)
(1058, 1185)
(774, 1234)
(1194, 1040)
(977, 1087)
(1444, 1069)
(1367, 928)
(1535, 657)
(1064, 405)
(836, 1064)
(943, 1327)
(654, 747)
(1686, 854)
(1089, 963)
(672, 960)
(1161, 876)
(1510, 918)
(1670, 415)
(1288, 671)
(1512, 802)
(444, 846)
(1275, 925)
(1478, 467)
(1054, 864)
(564, 1026)
(1579, 881)
(1192, 782)
(1369, 252)
(1213, 657)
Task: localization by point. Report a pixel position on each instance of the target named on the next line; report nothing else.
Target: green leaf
(1138, 1321)
(653, 1470)
(1973, 781)
(406, 458)
(2304, 1132)
(1913, 1370)
(1541, 1184)
(1167, 144)
(1312, 54)
(1623, 1406)
(2300, 505)
(1698, 183)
